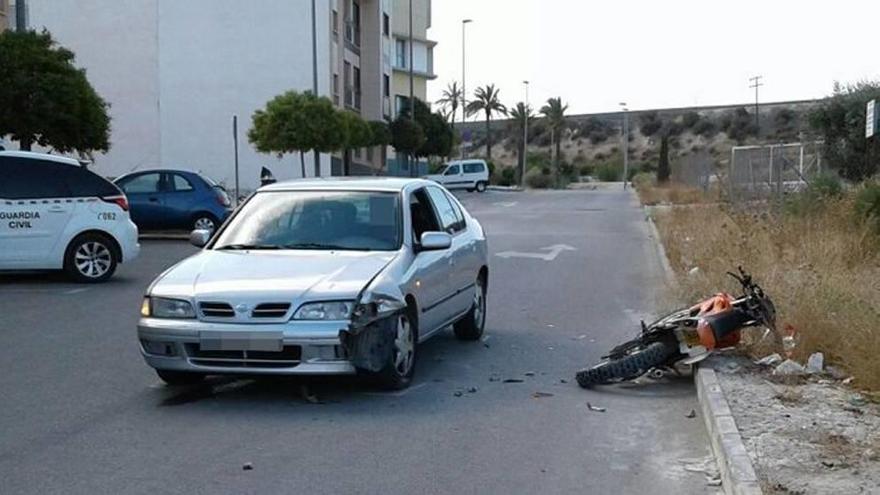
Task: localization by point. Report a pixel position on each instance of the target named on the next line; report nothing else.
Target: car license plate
(241, 341)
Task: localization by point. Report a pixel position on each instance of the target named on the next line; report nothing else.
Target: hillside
(593, 141)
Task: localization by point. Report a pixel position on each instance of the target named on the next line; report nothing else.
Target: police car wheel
(90, 258)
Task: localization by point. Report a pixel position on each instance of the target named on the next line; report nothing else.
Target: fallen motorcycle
(686, 336)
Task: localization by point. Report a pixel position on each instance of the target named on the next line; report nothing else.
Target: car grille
(288, 357)
(216, 310)
(271, 310)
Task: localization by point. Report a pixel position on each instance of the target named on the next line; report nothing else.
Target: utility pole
(525, 146)
(20, 15)
(625, 143)
(412, 102)
(756, 83)
(235, 146)
(315, 77)
(464, 23)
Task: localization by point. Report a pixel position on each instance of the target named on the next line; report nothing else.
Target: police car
(56, 214)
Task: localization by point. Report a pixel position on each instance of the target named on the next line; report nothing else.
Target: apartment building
(422, 61)
(5, 15)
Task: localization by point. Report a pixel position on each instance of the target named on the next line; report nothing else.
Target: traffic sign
(870, 119)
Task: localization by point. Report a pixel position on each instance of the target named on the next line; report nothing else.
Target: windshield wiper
(242, 247)
(319, 245)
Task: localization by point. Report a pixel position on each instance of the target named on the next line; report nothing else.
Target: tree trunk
(558, 158)
(346, 163)
(25, 143)
(663, 171)
(488, 137)
(302, 163)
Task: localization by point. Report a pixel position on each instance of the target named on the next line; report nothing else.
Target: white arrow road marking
(505, 204)
(551, 254)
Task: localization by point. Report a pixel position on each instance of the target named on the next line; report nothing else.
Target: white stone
(771, 360)
(816, 363)
(789, 367)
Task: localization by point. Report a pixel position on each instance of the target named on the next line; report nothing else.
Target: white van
(55, 214)
(463, 174)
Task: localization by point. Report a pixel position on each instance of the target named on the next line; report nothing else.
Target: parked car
(321, 277)
(56, 214)
(174, 199)
(463, 174)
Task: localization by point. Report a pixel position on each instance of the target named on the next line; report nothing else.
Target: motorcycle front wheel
(630, 366)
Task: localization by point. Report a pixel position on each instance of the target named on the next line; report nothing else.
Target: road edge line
(738, 475)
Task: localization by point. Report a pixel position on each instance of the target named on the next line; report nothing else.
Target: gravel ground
(805, 436)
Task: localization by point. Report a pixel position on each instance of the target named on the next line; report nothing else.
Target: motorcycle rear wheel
(633, 365)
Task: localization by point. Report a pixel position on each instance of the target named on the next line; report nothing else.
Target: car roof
(395, 184)
(41, 156)
(471, 160)
(160, 170)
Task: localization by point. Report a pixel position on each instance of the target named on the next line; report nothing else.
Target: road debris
(579, 337)
(815, 363)
(247, 466)
(529, 373)
(458, 393)
(692, 414)
(472, 390)
(857, 400)
(541, 395)
(591, 407)
(694, 271)
(789, 368)
(513, 380)
(563, 380)
(309, 397)
(494, 378)
(771, 360)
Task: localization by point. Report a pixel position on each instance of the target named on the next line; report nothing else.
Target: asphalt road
(81, 413)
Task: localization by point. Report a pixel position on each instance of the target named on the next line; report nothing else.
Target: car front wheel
(471, 326)
(204, 222)
(481, 186)
(90, 258)
(398, 372)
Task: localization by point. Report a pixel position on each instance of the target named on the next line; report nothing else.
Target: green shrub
(643, 179)
(690, 119)
(608, 172)
(867, 204)
(537, 179)
(491, 165)
(705, 128)
(586, 169)
(538, 159)
(821, 189)
(507, 177)
(825, 186)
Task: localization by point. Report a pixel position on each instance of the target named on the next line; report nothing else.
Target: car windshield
(344, 220)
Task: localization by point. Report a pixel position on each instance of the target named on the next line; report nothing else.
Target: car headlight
(328, 310)
(160, 307)
(380, 307)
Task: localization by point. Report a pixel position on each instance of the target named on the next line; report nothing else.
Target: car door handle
(153, 200)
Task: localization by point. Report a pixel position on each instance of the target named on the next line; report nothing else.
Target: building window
(357, 88)
(401, 102)
(353, 24)
(386, 85)
(386, 24)
(349, 93)
(335, 23)
(336, 89)
(401, 53)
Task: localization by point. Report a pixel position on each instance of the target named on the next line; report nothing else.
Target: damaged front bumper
(369, 347)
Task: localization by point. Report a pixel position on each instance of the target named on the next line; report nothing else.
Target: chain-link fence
(767, 172)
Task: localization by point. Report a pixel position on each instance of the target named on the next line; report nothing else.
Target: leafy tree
(841, 122)
(298, 122)
(663, 170)
(438, 133)
(407, 136)
(380, 133)
(739, 124)
(554, 113)
(520, 115)
(358, 134)
(451, 99)
(487, 100)
(45, 100)
(690, 119)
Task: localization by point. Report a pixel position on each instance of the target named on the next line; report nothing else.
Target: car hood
(271, 276)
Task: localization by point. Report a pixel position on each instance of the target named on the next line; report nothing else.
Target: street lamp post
(315, 77)
(525, 146)
(464, 23)
(625, 143)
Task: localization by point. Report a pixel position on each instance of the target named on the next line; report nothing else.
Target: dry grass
(673, 194)
(822, 271)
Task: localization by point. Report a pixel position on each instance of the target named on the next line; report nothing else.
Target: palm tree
(451, 99)
(521, 114)
(486, 100)
(554, 113)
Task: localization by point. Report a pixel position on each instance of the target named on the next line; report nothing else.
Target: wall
(176, 71)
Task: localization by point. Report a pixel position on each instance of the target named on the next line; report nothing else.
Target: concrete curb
(504, 188)
(738, 475)
(163, 237)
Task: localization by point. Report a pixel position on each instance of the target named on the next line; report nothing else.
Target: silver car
(325, 276)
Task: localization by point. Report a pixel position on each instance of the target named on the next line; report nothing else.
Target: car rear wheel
(177, 378)
(399, 370)
(90, 258)
(471, 326)
(204, 221)
(481, 186)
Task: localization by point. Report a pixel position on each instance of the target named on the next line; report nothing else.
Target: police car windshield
(316, 220)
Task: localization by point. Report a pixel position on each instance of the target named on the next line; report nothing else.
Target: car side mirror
(199, 237)
(435, 241)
